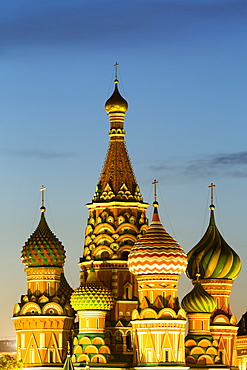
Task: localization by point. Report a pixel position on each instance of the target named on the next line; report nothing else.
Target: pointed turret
(43, 318)
(157, 260)
(218, 265)
(117, 218)
(157, 252)
(117, 179)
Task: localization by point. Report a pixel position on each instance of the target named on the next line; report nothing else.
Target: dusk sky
(183, 71)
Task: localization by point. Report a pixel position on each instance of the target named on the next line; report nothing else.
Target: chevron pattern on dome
(198, 300)
(43, 248)
(215, 258)
(92, 295)
(157, 252)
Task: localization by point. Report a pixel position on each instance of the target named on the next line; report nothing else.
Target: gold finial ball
(42, 209)
(212, 207)
(155, 204)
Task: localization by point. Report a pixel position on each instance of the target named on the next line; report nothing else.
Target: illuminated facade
(127, 303)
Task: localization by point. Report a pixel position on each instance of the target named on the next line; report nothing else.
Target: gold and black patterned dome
(116, 103)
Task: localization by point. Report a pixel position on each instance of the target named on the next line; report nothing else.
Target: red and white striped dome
(157, 252)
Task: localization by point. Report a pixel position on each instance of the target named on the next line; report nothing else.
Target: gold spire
(42, 208)
(117, 180)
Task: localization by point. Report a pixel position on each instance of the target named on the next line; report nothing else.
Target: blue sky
(183, 72)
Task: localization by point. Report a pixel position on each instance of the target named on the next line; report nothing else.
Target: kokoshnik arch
(129, 315)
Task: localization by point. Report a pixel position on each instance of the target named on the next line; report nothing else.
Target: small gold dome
(116, 103)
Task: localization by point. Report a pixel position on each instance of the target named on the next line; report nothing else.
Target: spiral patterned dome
(43, 248)
(214, 257)
(92, 295)
(157, 252)
(116, 103)
(198, 300)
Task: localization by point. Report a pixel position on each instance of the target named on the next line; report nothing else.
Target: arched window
(125, 255)
(105, 255)
(119, 336)
(129, 341)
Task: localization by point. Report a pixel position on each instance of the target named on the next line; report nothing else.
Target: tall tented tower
(117, 218)
(43, 318)
(218, 265)
(158, 323)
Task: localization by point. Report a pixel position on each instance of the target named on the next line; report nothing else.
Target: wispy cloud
(219, 165)
(28, 23)
(40, 154)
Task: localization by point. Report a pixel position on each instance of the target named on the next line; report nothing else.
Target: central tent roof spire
(117, 179)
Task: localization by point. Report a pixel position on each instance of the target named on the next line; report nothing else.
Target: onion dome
(43, 248)
(198, 300)
(157, 252)
(214, 258)
(92, 295)
(116, 103)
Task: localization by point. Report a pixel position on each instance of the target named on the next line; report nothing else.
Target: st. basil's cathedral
(126, 313)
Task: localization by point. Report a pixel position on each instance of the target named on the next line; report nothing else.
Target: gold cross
(212, 186)
(116, 70)
(42, 189)
(154, 183)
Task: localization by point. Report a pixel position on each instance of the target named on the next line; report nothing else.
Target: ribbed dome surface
(43, 248)
(92, 295)
(157, 252)
(198, 300)
(215, 258)
(116, 103)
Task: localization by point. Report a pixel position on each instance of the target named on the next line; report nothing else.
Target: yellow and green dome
(213, 256)
(198, 300)
(92, 295)
(116, 103)
(43, 248)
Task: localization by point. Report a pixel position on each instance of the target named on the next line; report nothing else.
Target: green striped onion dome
(92, 295)
(214, 258)
(157, 252)
(43, 248)
(198, 300)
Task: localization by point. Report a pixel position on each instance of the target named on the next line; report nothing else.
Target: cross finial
(198, 270)
(212, 186)
(42, 189)
(116, 70)
(154, 183)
